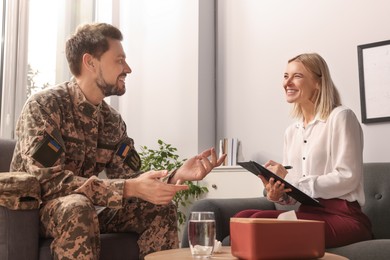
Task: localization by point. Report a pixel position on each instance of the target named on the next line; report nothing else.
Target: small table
(185, 253)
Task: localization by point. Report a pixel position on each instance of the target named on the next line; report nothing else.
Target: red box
(263, 238)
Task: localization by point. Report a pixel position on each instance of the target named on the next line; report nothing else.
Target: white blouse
(327, 156)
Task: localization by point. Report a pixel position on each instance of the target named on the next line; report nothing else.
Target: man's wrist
(129, 188)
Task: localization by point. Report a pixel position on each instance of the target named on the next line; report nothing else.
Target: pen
(287, 167)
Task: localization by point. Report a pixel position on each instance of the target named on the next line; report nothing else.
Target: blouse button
(304, 158)
(305, 141)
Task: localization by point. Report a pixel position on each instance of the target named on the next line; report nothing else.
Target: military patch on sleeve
(47, 151)
(123, 150)
(130, 156)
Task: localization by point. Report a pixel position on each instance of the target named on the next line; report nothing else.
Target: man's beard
(109, 89)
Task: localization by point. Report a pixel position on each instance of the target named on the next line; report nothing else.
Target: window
(65, 16)
(47, 35)
(34, 44)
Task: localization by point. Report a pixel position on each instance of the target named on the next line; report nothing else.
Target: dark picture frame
(374, 80)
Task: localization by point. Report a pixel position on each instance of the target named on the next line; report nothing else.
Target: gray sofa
(377, 207)
(19, 230)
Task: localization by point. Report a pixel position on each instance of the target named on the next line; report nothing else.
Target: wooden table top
(185, 253)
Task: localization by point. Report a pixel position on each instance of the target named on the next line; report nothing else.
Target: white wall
(170, 93)
(255, 40)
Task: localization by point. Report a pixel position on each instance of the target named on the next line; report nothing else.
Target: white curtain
(67, 15)
(15, 64)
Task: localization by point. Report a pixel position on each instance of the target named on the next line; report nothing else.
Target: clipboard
(297, 194)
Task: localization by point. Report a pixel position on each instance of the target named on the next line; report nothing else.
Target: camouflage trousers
(75, 226)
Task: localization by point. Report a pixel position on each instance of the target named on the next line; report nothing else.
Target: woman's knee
(252, 213)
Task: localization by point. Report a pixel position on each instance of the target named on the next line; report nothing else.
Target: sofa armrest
(224, 209)
(19, 234)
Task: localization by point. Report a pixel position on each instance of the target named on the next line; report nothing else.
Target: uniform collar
(81, 102)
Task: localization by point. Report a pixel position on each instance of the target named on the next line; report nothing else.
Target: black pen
(287, 167)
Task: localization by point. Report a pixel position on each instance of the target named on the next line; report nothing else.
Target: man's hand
(149, 187)
(198, 166)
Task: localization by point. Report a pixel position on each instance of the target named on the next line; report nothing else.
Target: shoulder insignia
(47, 151)
(130, 156)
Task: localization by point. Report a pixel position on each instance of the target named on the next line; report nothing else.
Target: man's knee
(79, 210)
(77, 203)
(68, 211)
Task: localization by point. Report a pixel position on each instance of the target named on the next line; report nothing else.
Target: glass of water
(201, 234)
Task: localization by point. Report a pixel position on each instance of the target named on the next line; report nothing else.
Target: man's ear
(88, 62)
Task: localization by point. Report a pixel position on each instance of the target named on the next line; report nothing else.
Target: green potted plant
(166, 158)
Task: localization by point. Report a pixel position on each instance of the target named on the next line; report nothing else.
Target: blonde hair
(328, 96)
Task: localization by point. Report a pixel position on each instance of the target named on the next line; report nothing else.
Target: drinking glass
(201, 234)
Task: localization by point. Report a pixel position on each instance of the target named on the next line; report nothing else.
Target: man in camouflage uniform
(68, 134)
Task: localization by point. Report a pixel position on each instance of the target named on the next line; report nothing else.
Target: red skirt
(345, 223)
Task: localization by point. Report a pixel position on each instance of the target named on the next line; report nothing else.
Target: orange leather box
(261, 238)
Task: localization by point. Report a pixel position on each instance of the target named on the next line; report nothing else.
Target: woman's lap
(344, 221)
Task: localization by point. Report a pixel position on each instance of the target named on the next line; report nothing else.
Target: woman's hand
(275, 189)
(276, 168)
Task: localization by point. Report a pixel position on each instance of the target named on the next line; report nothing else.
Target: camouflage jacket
(65, 141)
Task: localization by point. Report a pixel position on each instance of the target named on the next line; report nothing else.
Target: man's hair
(92, 39)
(328, 96)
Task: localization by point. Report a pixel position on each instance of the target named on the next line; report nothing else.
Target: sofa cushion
(117, 246)
(377, 206)
(7, 151)
(377, 249)
(19, 234)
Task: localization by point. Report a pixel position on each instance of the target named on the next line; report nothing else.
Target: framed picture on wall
(374, 79)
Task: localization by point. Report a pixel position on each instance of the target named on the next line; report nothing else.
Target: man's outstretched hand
(148, 186)
(197, 167)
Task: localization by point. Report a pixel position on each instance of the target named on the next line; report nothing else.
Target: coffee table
(185, 253)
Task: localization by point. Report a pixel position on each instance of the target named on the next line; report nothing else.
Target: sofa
(19, 229)
(377, 208)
